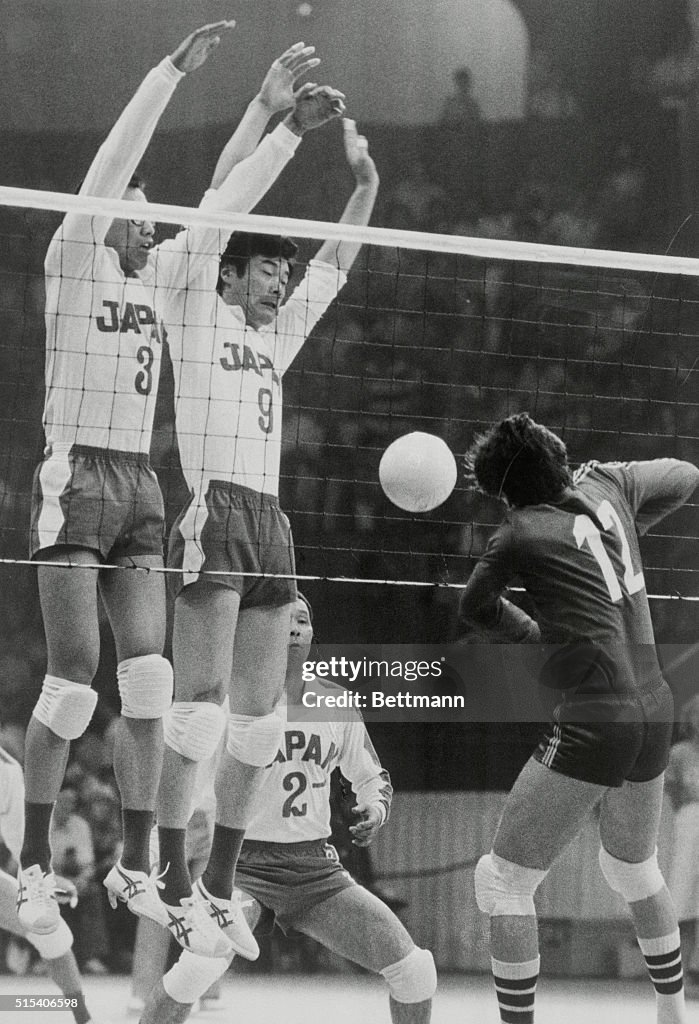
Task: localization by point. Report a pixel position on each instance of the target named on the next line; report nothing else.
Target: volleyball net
(432, 332)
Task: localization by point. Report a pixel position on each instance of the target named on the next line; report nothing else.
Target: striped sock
(664, 962)
(515, 985)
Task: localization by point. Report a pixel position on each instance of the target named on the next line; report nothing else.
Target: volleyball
(417, 472)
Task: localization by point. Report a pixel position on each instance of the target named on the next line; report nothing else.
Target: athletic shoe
(191, 926)
(229, 916)
(37, 907)
(138, 890)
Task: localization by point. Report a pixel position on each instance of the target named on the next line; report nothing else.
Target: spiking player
(55, 949)
(572, 541)
(95, 498)
(292, 874)
(230, 631)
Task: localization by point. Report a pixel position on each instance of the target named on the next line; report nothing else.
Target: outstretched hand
(315, 105)
(197, 47)
(277, 90)
(357, 153)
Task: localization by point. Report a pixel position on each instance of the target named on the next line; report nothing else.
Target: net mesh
(432, 333)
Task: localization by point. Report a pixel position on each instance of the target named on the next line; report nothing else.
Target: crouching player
(290, 872)
(56, 948)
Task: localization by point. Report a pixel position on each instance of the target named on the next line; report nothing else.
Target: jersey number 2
(585, 530)
(294, 783)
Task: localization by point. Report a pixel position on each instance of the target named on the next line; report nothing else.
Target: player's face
(132, 239)
(301, 631)
(261, 290)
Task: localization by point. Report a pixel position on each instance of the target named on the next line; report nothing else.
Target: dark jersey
(579, 559)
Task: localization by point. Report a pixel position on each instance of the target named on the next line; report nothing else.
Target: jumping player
(571, 538)
(230, 630)
(289, 871)
(55, 949)
(96, 500)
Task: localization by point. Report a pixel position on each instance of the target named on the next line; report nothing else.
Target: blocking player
(230, 630)
(96, 500)
(55, 949)
(290, 873)
(571, 538)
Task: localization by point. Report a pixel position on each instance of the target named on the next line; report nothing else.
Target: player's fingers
(290, 53)
(304, 68)
(214, 28)
(304, 91)
(292, 59)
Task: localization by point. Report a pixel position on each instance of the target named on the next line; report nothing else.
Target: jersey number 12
(585, 530)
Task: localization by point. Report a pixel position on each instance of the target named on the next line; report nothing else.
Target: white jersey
(103, 329)
(11, 803)
(228, 380)
(293, 803)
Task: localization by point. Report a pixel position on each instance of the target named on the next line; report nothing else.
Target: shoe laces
(40, 888)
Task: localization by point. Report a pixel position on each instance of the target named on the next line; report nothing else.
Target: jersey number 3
(585, 530)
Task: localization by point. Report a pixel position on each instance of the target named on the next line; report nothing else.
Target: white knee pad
(65, 707)
(194, 729)
(189, 978)
(633, 881)
(255, 741)
(414, 978)
(504, 888)
(53, 946)
(145, 686)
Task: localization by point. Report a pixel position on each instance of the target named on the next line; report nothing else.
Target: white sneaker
(37, 907)
(138, 890)
(191, 926)
(229, 916)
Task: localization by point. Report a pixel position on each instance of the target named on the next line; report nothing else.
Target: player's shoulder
(324, 687)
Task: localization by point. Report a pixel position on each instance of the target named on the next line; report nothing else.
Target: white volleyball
(418, 472)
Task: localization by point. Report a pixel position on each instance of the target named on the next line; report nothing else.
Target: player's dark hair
(135, 181)
(302, 597)
(243, 245)
(520, 459)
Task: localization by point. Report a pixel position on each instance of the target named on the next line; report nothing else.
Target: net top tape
(484, 248)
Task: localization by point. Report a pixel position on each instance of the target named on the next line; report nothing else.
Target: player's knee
(504, 888)
(255, 741)
(190, 977)
(194, 729)
(145, 686)
(65, 707)
(414, 978)
(632, 881)
(54, 945)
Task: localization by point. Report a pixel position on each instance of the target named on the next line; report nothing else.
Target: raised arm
(361, 203)
(121, 152)
(276, 94)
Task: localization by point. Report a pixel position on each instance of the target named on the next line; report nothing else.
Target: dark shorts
(230, 531)
(611, 739)
(106, 501)
(288, 879)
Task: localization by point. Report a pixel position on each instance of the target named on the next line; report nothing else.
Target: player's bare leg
(357, 925)
(257, 681)
(628, 831)
(135, 602)
(254, 734)
(543, 813)
(204, 629)
(69, 608)
(54, 949)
